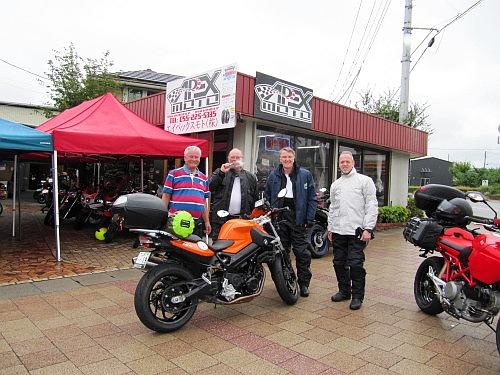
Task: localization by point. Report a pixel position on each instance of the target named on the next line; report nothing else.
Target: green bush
(393, 214)
(413, 209)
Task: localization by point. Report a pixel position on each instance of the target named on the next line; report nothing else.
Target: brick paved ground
(87, 325)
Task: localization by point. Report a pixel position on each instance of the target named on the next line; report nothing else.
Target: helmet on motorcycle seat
(454, 211)
(181, 224)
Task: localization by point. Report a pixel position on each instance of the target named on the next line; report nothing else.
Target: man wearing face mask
(233, 189)
(351, 219)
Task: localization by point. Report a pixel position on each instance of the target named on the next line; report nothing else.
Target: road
(480, 209)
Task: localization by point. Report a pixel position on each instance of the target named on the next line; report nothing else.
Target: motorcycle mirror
(475, 196)
(222, 213)
(259, 203)
(282, 193)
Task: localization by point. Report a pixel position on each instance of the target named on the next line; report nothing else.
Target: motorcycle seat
(464, 251)
(220, 245)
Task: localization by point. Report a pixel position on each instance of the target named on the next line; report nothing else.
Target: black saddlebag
(422, 232)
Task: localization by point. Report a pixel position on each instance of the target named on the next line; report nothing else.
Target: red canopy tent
(104, 126)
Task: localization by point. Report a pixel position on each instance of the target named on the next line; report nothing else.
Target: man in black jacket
(233, 189)
(300, 198)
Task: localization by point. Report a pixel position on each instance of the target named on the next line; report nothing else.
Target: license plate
(142, 259)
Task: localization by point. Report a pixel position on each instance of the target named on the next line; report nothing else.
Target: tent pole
(98, 174)
(208, 202)
(14, 192)
(19, 177)
(55, 191)
(142, 175)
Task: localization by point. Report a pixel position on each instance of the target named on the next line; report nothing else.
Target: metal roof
(148, 75)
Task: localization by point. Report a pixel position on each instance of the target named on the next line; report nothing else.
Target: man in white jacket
(351, 219)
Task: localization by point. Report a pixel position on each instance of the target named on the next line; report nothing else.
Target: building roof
(148, 75)
(430, 157)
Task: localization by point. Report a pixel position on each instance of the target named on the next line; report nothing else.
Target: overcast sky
(302, 42)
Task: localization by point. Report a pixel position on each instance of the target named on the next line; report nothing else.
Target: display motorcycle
(317, 234)
(464, 280)
(182, 272)
(69, 206)
(96, 209)
(41, 194)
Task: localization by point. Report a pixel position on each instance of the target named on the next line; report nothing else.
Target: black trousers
(199, 227)
(348, 261)
(295, 236)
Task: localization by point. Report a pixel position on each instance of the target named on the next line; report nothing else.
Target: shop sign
(276, 143)
(203, 102)
(282, 101)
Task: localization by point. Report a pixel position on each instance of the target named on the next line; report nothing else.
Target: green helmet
(181, 224)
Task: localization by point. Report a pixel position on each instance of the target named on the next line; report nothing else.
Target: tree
(387, 106)
(464, 174)
(74, 79)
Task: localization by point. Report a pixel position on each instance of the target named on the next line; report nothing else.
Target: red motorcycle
(464, 281)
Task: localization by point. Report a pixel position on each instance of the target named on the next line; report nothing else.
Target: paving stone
(407, 366)
(57, 285)
(195, 361)
(20, 290)
(92, 279)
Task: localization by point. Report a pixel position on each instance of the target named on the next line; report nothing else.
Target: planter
(385, 226)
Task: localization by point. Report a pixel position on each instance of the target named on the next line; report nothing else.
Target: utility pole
(484, 163)
(405, 64)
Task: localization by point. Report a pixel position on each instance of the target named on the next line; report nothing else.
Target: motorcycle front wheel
(424, 290)
(153, 298)
(285, 279)
(498, 334)
(318, 241)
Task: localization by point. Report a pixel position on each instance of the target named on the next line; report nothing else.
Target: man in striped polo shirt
(186, 189)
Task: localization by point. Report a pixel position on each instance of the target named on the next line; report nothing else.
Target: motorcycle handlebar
(481, 220)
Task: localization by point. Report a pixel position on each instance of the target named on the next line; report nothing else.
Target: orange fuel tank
(238, 230)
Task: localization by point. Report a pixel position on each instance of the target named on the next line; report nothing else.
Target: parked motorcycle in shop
(184, 271)
(95, 210)
(41, 194)
(317, 235)
(69, 206)
(464, 281)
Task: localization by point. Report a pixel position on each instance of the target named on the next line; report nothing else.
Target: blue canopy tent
(17, 139)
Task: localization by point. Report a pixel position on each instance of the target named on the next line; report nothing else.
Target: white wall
(398, 178)
(244, 139)
(23, 115)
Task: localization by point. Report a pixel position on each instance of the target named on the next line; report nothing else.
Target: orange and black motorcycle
(181, 272)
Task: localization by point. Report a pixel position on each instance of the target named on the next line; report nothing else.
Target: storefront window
(310, 153)
(373, 164)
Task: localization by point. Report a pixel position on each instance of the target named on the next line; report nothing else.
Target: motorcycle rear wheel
(424, 290)
(285, 279)
(317, 245)
(152, 299)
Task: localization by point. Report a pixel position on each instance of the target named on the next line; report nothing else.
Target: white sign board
(203, 102)
(484, 182)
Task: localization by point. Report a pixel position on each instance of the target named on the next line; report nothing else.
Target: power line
(454, 19)
(372, 41)
(348, 47)
(380, 21)
(357, 51)
(24, 70)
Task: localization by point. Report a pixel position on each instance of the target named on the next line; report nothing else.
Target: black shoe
(337, 297)
(355, 304)
(304, 291)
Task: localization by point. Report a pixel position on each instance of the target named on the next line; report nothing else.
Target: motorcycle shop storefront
(271, 113)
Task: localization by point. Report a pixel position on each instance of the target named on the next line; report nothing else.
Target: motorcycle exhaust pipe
(147, 266)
